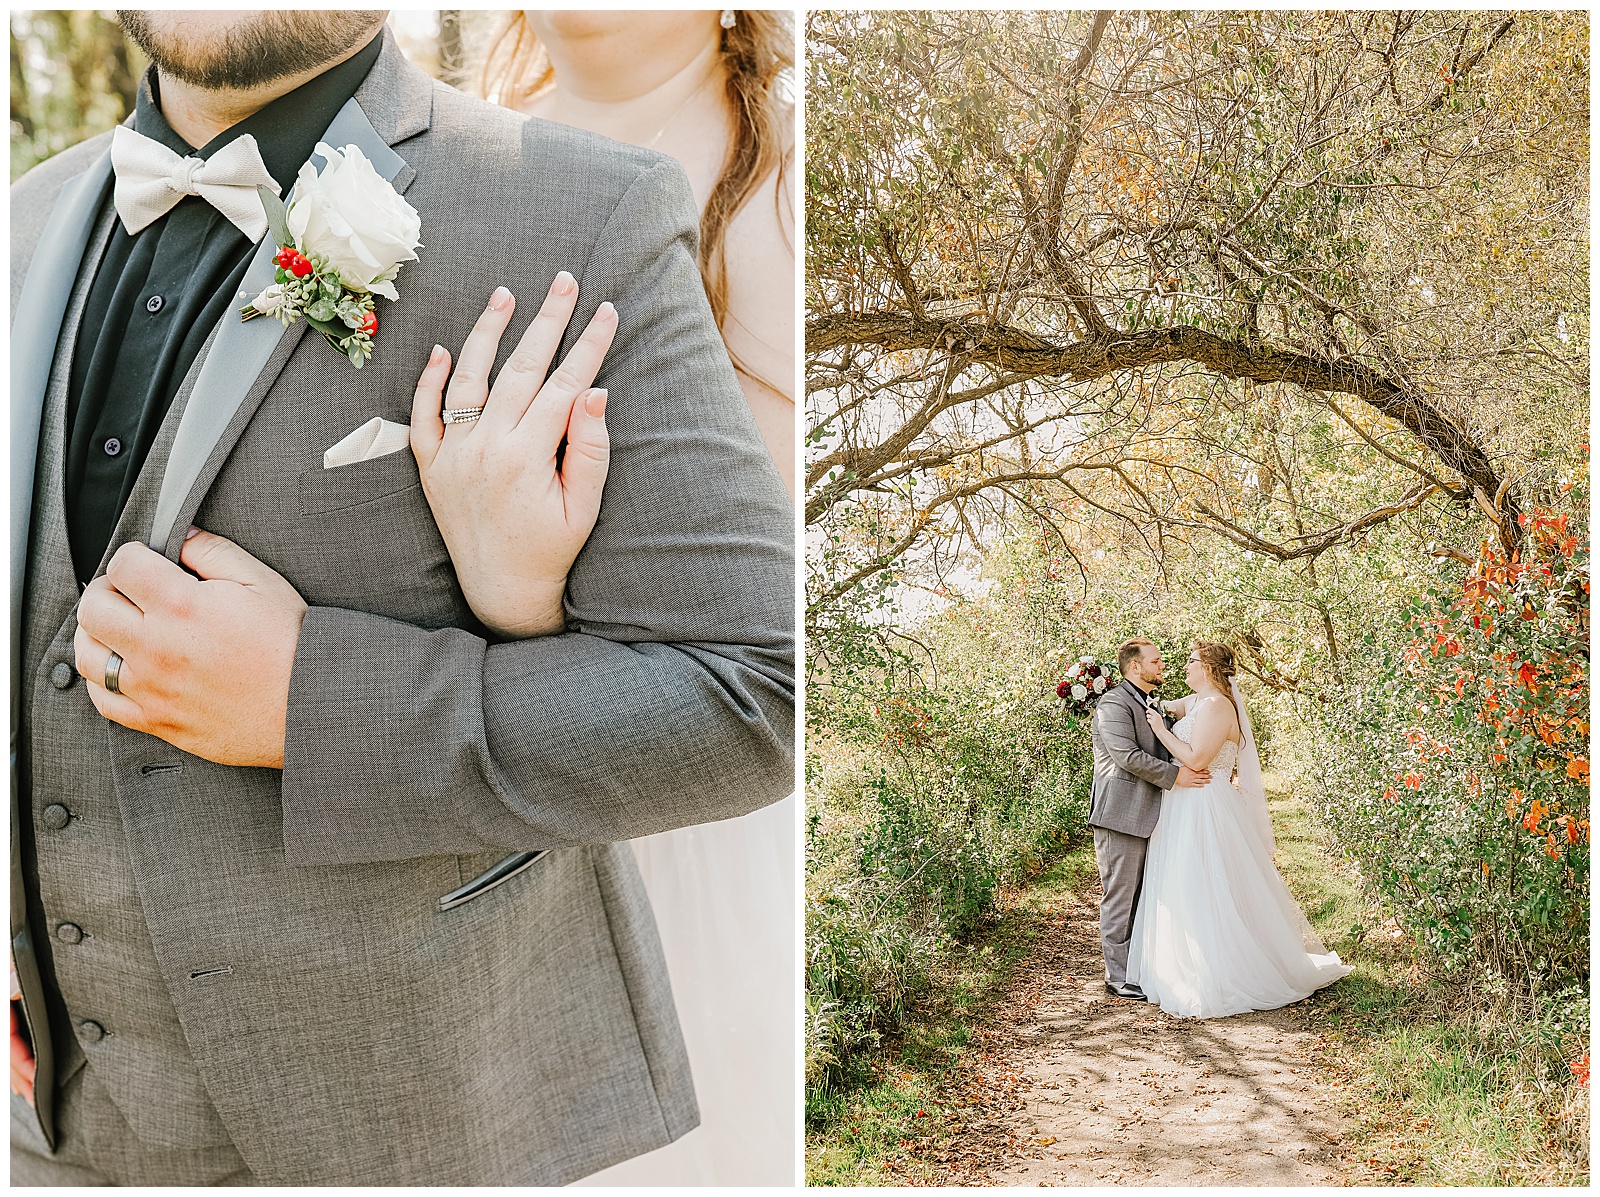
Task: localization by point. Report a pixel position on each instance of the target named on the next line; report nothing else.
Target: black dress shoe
(1126, 990)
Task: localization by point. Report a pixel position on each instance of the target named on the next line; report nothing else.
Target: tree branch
(1314, 544)
(1024, 354)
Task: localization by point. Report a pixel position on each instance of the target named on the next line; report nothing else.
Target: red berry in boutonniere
(294, 261)
(370, 324)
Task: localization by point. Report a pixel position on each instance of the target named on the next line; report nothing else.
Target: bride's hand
(1157, 724)
(512, 520)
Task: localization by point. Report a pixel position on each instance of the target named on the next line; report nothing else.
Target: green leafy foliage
(1454, 765)
(948, 774)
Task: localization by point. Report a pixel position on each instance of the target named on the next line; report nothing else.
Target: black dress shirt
(156, 296)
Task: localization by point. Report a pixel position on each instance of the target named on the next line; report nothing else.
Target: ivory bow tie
(151, 179)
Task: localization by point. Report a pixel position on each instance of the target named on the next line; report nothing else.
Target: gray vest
(116, 1000)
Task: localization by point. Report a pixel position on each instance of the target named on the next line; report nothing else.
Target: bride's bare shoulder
(1216, 709)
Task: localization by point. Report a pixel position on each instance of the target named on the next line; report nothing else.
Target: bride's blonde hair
(1217, 660)
(755, 52)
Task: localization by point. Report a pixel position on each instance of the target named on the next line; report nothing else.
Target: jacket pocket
(495, 875)
(367, 481)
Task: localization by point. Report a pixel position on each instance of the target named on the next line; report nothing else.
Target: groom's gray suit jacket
(261, 956)
(1131, 766)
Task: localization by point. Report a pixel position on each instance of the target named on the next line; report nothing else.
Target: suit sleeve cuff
(383, 720)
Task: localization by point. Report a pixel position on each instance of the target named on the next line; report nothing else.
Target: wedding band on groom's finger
(114, 673)
(461, 415)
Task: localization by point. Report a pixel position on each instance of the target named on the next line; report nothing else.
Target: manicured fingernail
(500, 298)
(565, 284)
(607, 309)
(436, 356)
(192, 530)
(595, 404)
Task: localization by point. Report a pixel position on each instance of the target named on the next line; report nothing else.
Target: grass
(863, 1134)
(1438, 1088)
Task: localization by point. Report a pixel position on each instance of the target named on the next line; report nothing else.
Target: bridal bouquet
(1085, 682)
(340, 242)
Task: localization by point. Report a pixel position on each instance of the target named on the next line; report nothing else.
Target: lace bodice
(1227, 756)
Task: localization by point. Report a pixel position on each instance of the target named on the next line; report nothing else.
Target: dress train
(1216, 931)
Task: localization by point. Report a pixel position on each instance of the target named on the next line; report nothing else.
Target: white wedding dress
(1217, 931)
(724, 899)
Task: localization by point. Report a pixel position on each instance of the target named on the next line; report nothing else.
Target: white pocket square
(376, 438)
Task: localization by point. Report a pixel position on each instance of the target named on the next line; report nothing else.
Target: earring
(729, 18)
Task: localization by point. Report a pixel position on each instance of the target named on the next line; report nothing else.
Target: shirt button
(69, 933)
(55, 816)
(91, 1031)
(154, 304)
(113, 446)
(61, 675)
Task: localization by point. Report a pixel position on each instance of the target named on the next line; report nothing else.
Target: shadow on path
(1075, 1087)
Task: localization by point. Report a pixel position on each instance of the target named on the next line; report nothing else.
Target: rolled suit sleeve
(1117, 734)
(669, 700)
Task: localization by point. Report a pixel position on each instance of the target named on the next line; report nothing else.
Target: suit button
(69, 933)
(154, 304)
(91, 1031)
(55, 816)
(62, 675)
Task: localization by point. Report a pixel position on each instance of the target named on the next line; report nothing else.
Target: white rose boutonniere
(352, 216)
(341, 241)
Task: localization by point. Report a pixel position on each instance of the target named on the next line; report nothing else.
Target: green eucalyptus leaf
(332, 331)
(277, 216)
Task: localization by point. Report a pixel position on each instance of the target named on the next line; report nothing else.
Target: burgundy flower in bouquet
(1085, 682)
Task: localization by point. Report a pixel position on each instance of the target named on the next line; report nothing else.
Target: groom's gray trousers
(1131, 769)
(1121, 860)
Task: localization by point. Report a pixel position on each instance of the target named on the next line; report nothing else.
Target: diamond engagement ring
(461, 415)
(113, 672)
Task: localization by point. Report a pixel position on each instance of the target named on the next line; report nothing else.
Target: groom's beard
(252, 51)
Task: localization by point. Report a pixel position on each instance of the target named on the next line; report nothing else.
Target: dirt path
(1075, 1087)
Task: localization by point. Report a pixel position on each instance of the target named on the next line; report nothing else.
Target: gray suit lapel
(53, 587)
(35, 332)
(243, 362)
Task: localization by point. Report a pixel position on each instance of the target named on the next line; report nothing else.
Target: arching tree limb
(1025, 354)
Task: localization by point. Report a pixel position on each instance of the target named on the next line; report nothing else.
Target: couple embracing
(1194, 916)
(338, 693)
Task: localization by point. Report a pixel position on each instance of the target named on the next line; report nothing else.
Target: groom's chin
(220, 50)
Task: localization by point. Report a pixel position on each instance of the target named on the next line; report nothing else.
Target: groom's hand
(206, 661)
(1191, 779)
